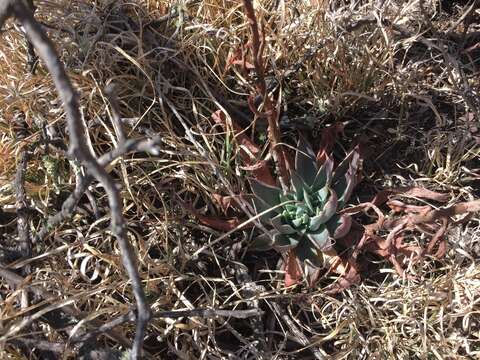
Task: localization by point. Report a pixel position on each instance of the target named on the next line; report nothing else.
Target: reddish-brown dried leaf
(329, 136)
(398, 206)
(238, 58)
(423, 194)
(245, 64)
(261, 172)
(293, 271)
(224, 202)
(249, 152)
(214, 222)
(438, 238)
(349, 278)
(241, 138)
(218, 223)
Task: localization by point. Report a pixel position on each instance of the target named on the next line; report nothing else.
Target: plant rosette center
(304, 219)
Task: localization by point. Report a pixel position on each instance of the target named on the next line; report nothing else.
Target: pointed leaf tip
(346, 176)
(305, 161)
(283, 242)
(329, 209)
(320, 239)
(306, 251)
(324, 174)
(293, 270)
(268, 194)
(339, 225)
(262, 242)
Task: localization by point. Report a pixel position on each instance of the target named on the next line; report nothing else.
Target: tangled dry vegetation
(400, 77)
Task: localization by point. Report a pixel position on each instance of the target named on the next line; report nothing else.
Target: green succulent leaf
(282, 228)
(297, 185)
(302, 211)
(297, 222)
(269, 195)
(322, 195)
(282, 242)
(339, 225)
(324, 175)
(315, 222)
(352, 157)
(260, 207)
(307, 252)
(345, 177)
(305, 218)
(329, 209)
(307, 200)
(305, 161)
(263, 242)
(320, 239)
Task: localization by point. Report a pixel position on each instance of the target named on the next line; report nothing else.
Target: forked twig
(69, 205)
(79, 150)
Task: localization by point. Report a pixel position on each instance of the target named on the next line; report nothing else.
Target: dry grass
(416, 105)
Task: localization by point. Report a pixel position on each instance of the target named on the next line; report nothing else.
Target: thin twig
(296, 333)
(110, 91)
(175, 314)
(40, 345)
(24, 241)
(80, 150)
(69, 310)
(69, 205)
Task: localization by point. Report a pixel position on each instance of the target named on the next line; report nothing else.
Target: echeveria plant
(304, 218)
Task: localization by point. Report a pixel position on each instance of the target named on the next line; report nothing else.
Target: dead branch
(110, 91)
(24, 241)
(41, 345)
(271, 111)
(79, 150)
(445, 213)
(297, 334)
(426, 219)
(69, 205)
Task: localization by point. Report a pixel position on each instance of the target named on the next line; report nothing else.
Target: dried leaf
(293, 271)
(245, 64)
(268, 194)
(349, 278)
(438, 238)
(242, 139)
(219, 224)
(261, 172)
(214, 222)
(249, 152)
(398, 206)
(224, 202)
(329, 136)
(423, 194)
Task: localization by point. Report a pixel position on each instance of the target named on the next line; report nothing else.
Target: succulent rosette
(305, 218)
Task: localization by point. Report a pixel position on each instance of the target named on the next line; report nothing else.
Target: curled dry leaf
(213, 222)
(219, 224)
(425, 219)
